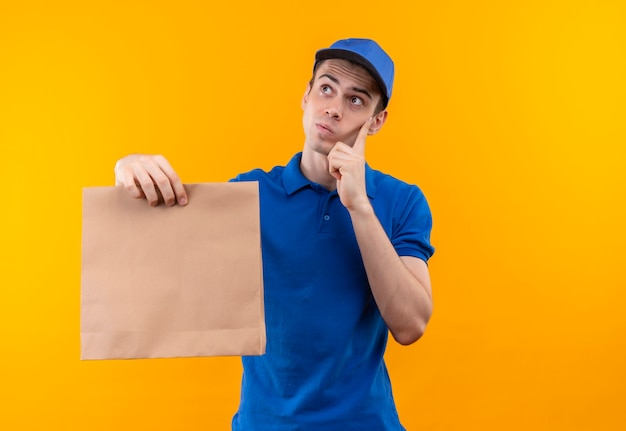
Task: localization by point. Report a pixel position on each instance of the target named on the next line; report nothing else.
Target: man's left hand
(347, 165)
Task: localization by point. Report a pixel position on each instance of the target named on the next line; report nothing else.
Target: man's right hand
(150, 177)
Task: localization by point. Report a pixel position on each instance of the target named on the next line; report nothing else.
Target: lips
(324, 128)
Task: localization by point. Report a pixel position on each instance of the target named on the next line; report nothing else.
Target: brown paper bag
(172, 281)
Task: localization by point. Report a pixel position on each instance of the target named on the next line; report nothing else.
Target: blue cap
(368, 54)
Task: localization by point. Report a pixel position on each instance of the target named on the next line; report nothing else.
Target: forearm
(400, 285)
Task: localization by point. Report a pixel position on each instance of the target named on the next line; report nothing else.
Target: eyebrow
(356, 89)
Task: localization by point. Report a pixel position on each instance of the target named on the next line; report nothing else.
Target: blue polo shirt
(324, 368)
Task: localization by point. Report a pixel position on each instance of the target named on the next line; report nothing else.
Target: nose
(333, 111)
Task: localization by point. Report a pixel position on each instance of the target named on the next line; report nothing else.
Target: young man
(344, 257)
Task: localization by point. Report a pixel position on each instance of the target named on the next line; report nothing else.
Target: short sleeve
(412, 227)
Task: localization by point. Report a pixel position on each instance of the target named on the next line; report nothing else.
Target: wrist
(361, 209)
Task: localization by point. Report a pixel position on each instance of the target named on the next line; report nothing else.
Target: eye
(356, 101)
(325, 89)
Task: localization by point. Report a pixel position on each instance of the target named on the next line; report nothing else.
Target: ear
(305, 97)
(378, 122)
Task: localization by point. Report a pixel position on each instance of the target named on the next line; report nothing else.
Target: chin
(323, 147)
(319, 145)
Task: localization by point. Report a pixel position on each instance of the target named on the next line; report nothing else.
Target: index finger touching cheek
(359, 144)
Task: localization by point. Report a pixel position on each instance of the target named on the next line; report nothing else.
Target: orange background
(509, 115)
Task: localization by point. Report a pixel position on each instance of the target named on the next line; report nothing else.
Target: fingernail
(183, 201)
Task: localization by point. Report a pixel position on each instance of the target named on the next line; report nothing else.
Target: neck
(314, 167)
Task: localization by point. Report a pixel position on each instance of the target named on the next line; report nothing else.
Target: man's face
(339, 101)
